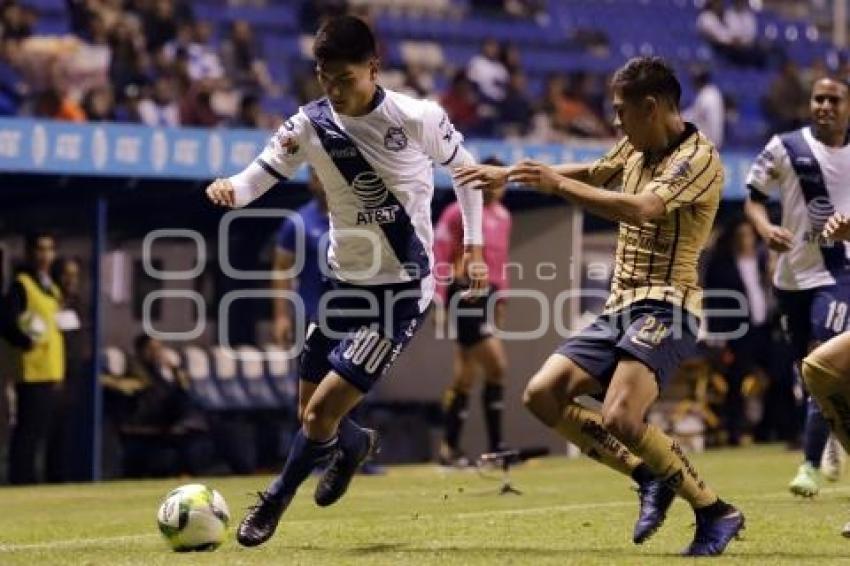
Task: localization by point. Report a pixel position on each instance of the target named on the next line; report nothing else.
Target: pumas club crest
(395, 139)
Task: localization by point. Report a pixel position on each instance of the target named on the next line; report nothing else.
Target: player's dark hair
(344, 39)
(648, 76)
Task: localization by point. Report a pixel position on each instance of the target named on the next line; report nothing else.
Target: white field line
(101, 541)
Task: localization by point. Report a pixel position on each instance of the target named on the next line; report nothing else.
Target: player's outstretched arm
(837, 227)
(616, 206)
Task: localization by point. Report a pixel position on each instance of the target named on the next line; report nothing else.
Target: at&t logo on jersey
(373, 193)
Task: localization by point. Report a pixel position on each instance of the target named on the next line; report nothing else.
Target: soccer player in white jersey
(810, 167)
(373, 150)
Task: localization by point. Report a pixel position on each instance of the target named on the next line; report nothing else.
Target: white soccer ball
(193, 517)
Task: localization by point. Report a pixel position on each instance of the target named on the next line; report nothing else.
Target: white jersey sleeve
(444, 145)
(771, 168)
(281, 158)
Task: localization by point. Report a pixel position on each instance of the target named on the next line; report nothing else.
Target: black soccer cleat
(714, 533)
(342, 467)
(655, 499)
(259, 524)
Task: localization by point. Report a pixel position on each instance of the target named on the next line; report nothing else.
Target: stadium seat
(203, 389)
(282, 374)
(253, 377)
(225, 373)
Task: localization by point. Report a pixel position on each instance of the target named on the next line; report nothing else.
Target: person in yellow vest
(31, 327)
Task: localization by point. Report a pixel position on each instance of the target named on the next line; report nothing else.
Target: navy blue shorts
(657, 333)
(814, 315)
(361, 332)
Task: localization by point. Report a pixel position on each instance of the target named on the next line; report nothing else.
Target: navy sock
(455, 404)
(815, 433)
(642, 474)
(352, 437)
(304, 455)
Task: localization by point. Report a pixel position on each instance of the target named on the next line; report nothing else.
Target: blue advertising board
(124, 150)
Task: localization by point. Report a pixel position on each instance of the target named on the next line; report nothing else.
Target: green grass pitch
(571, 512)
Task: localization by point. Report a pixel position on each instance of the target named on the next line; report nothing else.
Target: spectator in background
(250, 114)
(54, 104)
(127, 109)
(708, 112)
(738, 266)
(30, 326)
(487, 72)
(130, 61)
(242, 59)
(17, 22)
(460, 102)
(160, 23)
(569, 112)
(196, 106)
(741, 24)
(515, 111)
(13, 88)
(731, 33)
(99, 105)
(512, 58)
(160, 109)
(786, 104)
(74, 414)
(161, 430)
(418, 81)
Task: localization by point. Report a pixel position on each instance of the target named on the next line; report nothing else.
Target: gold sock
(831, 390)
(583, 428)
(667, 461)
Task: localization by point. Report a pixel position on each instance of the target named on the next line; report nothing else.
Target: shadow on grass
(530, 552)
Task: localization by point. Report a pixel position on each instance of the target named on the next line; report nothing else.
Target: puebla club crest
(395, 139)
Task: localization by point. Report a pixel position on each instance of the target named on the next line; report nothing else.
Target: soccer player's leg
(490, 355)
(654, 344)
(797, 312)
(466, 317)
(305, 452)
(363, 356)
(456, 407)
(826, 372)
(550, 396)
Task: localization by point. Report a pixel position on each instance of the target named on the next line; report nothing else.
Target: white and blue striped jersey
(807, 202)
(377, 171)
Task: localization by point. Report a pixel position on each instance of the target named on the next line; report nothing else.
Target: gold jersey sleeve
(658, 259)
(607, 171)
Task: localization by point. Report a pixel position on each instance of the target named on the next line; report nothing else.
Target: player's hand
(221, 193)
(837, 227)
(282, 330)
(481, 176)
(778, 238)
(475, 269)
(537, 175)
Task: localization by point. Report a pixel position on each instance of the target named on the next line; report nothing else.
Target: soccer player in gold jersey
(670, 179)
(826, 370)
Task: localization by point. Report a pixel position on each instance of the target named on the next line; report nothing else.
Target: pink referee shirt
(448, 245)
